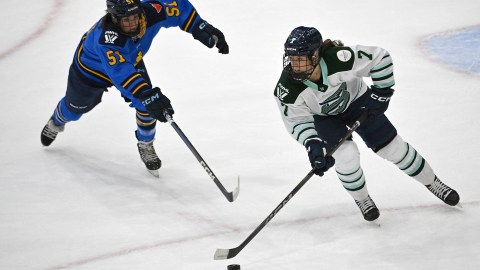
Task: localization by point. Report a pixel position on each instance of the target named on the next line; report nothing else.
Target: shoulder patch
(157, 7)
(338, 59)
(112, 36)
(154, 11)
(288, 90)
(344, 55)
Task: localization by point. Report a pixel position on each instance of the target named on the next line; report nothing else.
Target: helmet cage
(304, 65)
(119, 9)
(303, 47)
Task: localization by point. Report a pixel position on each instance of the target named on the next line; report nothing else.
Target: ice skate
(50, 132)
(369, 209)
(149, 157)
(444, 192)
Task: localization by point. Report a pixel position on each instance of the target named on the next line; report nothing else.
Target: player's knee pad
(395, 150)
(347, 157)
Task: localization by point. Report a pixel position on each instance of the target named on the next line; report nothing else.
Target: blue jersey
(107, 57)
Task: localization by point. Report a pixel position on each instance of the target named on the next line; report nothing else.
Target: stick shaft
(230, 253)
(231, 196)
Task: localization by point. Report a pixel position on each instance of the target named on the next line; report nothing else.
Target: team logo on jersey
(157, 7)
(337, 102)
(344, 55)
(282, 92)
(110, 37)
(139, 57)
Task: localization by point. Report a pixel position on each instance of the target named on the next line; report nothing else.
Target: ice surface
(87, 201)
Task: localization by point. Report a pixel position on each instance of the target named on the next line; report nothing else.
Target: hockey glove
(155, 102)
(319, 162)
(378, 100)
(210, 36)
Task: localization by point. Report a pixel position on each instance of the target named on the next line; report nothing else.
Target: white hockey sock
(407, 159)
(349, 171)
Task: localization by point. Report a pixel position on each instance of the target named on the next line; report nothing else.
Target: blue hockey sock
(63, 115)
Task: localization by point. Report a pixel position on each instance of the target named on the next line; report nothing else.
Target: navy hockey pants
(81, 98)
(376, 132)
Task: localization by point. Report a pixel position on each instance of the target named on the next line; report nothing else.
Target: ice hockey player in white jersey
(321, 91)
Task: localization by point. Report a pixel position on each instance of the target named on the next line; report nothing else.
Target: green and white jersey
(343, 69)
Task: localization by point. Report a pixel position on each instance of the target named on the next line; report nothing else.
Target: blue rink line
(460, 49)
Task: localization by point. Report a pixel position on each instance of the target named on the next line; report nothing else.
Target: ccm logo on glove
(156, 104)
(381, 99)
(150, 99)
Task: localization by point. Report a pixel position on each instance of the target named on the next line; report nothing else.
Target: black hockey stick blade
(222, 253)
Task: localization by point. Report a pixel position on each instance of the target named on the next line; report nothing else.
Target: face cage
(141, 20)
(299, 76)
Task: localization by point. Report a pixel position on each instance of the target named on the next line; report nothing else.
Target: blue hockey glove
(319, 162)
(210, 36)
(378, 100)
(155, 102)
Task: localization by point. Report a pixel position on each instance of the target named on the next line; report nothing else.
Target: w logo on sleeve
(282, 92)
(110, 37)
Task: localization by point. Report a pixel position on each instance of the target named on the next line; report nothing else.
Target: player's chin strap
(231, 196)
(222, 254)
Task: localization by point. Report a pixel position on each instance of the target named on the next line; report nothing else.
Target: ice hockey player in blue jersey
(321, 91)
(111, 54)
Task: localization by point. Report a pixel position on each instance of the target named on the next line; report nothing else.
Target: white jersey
(343, 69)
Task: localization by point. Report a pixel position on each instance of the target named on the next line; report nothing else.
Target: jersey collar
(316, 86)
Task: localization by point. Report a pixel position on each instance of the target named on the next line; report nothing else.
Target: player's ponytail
(328, 43)
(105, 20)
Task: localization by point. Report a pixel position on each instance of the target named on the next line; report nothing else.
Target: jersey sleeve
(374, 62)
(296, 115)
(299, 122)
(174, 13)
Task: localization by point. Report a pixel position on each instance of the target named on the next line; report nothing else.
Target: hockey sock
(407, 159)
(63, 115)
(145, 126)
(349, 171)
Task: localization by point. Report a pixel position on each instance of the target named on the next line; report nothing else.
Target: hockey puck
(233, 267)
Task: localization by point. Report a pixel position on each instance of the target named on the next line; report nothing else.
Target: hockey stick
(231, 196)
(222, 254)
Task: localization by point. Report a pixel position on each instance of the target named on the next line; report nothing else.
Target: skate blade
(154, 172)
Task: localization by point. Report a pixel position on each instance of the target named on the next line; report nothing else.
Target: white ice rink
(87, 202)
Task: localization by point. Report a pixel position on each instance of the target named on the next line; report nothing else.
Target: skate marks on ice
(39, 31)
(333, 224)
(133, 250)
(103, 177)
